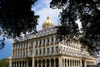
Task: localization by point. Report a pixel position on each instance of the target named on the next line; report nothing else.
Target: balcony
(29, 56)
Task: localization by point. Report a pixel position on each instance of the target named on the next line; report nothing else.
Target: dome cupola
(47, 24)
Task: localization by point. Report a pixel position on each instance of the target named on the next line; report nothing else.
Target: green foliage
(16, 17)
(4, 62)
(88, 11)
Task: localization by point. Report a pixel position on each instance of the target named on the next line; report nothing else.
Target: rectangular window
(31, 52)
(51, 39)
(43, 40)
(24, 44)
(36, 42)
(52, 49)
(36, 52)
(57, 49)
(21, 45)
(26, 52)
(43, 50)
(40, 51)
(27, 45)
(47, 40)
(31, 43)
(40, 41)
(47, 50)
(56, 38)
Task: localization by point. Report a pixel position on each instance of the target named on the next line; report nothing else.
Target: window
(21, 45)
(31, 52)
(18, 54)
(40, 51)
(47, 50)
(47, 40)
(36, 42)
(26, 52)
(57, 49)
(31, 43)
(52, 49)
(26, 44)
(36, 52)
(56, 38)
(43, 40)
(51, 39)
(43, 50)
(40, 41)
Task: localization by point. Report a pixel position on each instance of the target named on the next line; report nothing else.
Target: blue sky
(42, 9)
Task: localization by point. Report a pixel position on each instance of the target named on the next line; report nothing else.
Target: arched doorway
(20, 63)
(30, 63)
(52, 62)
(57, 62)
(39, 63)
(12, 64)
(35, 63)
(15, 64)
(43, 63)
(23, 64)
(65, 62)
(47, 62)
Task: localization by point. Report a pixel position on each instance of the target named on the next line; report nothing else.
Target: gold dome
(48, 23)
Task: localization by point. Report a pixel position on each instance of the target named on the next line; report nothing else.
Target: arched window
(39, 63)
(68, 62)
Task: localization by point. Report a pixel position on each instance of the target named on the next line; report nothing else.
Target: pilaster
(60, 61)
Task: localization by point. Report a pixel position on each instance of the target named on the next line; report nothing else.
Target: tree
(88, 11)
(16, 17)
(4, 62)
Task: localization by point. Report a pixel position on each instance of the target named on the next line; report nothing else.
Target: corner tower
(47, 24)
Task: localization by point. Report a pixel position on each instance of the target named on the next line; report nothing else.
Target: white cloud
(43, 10)
(46, 11)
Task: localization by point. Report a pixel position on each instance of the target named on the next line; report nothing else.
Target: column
(27, 63)
(85, 63)
(33, 62)
(50, 44)
(54, 44)
(10, 62)
(45, 46)
(64, 63)
(49, 62)
(17, 50)
(45, 63)
(34, 47)
(60, 61)
(22, 50)
(16, 63)
(28, 48)
(41, 46)
(25, 49)
(38, 47)
(80, 63)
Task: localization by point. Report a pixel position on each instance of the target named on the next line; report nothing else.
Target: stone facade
(44, 50)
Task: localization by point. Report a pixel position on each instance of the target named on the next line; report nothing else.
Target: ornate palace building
(44, 50)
